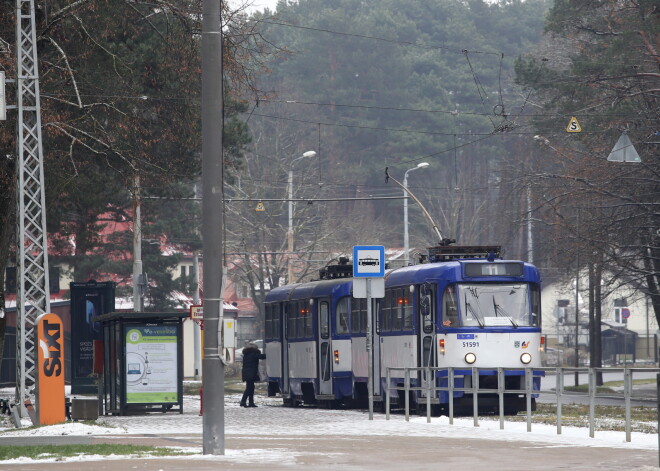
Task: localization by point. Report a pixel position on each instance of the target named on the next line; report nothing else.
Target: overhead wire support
(442, 240)
(33, 297)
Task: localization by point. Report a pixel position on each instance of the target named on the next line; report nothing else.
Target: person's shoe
(252, 405)
(243, 404)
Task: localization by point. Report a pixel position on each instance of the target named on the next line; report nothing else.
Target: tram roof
(310, 289)
(451, 270)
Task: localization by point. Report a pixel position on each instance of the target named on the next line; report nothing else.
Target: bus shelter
(142, 362)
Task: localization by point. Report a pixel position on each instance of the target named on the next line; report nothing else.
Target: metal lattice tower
(32, 298)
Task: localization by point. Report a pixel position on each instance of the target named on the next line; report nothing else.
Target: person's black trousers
(248, 394)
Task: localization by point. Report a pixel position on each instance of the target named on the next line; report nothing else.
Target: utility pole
(33, 296)
(213, 369)
(577, 307)
(137, 244)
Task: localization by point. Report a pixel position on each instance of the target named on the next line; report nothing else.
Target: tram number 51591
(470, 344)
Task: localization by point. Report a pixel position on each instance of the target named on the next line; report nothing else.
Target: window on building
(621, 311)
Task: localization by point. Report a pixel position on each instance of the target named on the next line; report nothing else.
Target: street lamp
(310, 154)
(406, 242)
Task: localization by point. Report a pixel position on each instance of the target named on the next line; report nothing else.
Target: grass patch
(40, 452)
(635, 381)
(584, 388)
(612, 418)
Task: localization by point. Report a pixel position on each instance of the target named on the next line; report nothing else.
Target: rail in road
(630, 394)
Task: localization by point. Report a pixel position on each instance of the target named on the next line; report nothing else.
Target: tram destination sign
(368, 261)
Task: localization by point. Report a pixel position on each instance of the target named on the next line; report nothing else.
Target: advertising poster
(151, 364)
(88, 301)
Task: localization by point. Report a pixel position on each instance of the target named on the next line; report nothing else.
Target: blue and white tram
(308, 342)
(464, 309)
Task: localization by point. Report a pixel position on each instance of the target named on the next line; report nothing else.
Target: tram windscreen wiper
(499, 309)
(471, 310)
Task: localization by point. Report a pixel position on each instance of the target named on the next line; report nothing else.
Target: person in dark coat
(250, 372)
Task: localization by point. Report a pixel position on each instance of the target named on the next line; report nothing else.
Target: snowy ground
(270, 419)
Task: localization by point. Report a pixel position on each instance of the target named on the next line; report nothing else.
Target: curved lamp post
(309, 154)
(406, 242)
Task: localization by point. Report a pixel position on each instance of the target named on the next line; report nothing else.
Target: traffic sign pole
(370, 353)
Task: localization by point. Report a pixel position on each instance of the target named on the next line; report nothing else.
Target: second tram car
(465, 309)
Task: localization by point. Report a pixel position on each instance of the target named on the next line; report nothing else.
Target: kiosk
(142, 362)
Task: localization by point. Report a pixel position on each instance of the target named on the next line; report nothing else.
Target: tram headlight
(470, 358)
(526, 358)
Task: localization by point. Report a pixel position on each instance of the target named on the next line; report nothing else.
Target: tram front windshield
(490, 305)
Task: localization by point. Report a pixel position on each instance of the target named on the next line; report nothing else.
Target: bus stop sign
(368, 261)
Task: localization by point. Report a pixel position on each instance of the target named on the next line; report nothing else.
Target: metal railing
(429, 387)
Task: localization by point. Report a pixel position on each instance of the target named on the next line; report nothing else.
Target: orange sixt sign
(50, 365)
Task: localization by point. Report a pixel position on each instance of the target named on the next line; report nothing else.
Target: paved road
(367, 453)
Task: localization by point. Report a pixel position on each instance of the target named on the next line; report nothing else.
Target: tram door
(427, 314)
(284, 317)
(324, 353)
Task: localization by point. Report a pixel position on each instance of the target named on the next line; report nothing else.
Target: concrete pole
(137, 245)
(577, 306)
(530, 241)
(290, 231)
(197, 332)
(406, 241)
(213, 369)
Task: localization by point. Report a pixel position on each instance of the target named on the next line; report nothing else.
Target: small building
(619, 346)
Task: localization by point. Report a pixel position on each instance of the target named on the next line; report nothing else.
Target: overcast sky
(261, 4)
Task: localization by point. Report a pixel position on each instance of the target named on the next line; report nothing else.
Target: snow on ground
(272, 419)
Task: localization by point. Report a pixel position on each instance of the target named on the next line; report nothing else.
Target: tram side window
(277, 322)
(291, 321)
(269, 321)
(426, 307)
(325, 319)
(303, 321)
(341, 326)
(355, 315)
(363, 315)
(378, 309)
(449, 307)
(386, 309)
(397, 309)
(358, 315)
(306, 312)
(536, 305)
(407, 311)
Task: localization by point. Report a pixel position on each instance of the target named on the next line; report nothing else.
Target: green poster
(151, 364)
